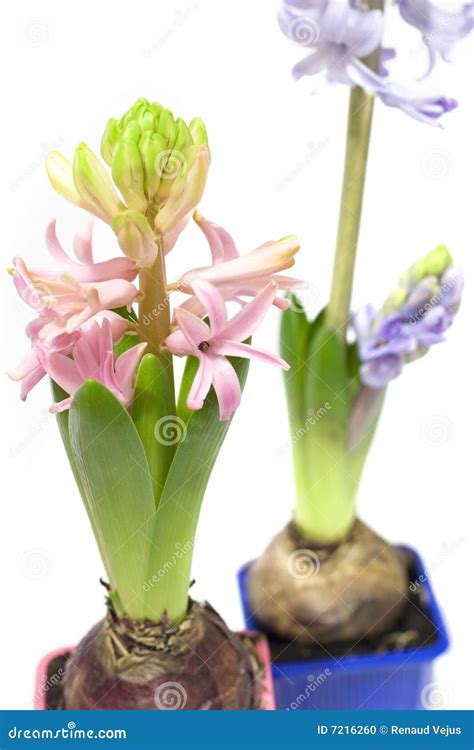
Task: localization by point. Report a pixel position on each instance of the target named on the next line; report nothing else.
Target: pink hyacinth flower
(83, 269)
(223, 338)
(64, 303)
(30, 370)
(241, 276)
(93, 359)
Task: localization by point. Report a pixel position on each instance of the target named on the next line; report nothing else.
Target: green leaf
(124, 312)
(62, 420)
(118, 493)
(126, 342)
(294, 336)
(153, 412)
(177, 515)
(190, 370)
(320, 441)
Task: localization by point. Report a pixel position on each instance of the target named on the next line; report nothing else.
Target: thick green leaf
(177, 515)
(62, 420)
(118, 493)
(153, 412)
(320, 443)
(294, 335)
(190, 370)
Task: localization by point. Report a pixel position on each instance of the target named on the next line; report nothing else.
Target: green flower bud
(127, 173)
(198, 132)
(109, 139)
(434, 263)
(135, 237)
(148, 151)
(94, 186)
(150, 146)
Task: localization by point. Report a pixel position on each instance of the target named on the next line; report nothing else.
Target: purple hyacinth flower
(440, 27)
(341, 33)
(388, 340)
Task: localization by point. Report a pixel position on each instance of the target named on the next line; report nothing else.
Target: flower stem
(359, 124)
(154, 312)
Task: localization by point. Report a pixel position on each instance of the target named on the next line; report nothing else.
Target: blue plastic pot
(391, 681)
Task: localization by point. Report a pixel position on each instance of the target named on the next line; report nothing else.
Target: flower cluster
(85, 309)
(343, 33)
(414, 317)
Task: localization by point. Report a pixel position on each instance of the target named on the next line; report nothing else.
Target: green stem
(359, 124)
(154, 313)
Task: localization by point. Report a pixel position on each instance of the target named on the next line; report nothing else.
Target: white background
(277, 158)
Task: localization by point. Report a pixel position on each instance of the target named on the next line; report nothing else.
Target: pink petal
(29, 362)
(60, 406)
(226, 385)
(30, 380)
(83, 243)
(118, 325)
(63, 371)
(115, 293)
(220, 242)
(194, 329)
(201, 383)
(235, 349)
(55, 248)
(178, 344)
(242, 325)
(125, 367)
(264, 261)
(213, 303)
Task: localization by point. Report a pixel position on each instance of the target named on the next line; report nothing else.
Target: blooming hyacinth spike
(239, 276)
(342, 33)
(158, 163)
(414, 317)
(93, 358)
(222, 338)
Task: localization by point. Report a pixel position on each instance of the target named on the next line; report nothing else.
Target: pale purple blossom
(388, 341)
(341, 33)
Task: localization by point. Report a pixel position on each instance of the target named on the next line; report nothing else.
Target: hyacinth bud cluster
(157, 163)
(414, 316)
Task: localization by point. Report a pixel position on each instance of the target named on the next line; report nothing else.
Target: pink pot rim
(42, 684)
